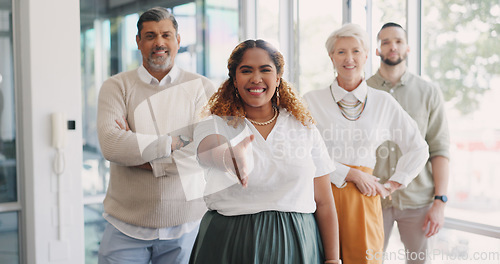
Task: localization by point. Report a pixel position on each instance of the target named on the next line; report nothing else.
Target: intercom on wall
(59, 130)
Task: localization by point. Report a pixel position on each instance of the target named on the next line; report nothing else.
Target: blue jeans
(118, 248)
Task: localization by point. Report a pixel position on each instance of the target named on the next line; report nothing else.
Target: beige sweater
(137, 196)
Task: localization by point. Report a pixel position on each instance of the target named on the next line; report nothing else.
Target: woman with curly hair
(267, 187)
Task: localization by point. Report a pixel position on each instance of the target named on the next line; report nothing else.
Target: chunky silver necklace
(266, 122)
(351, 112)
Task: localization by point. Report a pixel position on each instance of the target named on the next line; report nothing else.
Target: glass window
(384, 11)
(267, 18)
(460, 53)
(315, 25)
(221, 37)
(95, 68)
(9, 229)
(448, 247)
(8, 176)
(455, 247)
(94, 227)
(9, 238)
(359, 12)
(131, 57)
(186, 18)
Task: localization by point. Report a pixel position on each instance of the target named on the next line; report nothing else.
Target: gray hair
(347, 30)
(156, 14)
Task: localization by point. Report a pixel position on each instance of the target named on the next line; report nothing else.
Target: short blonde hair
(347, 30)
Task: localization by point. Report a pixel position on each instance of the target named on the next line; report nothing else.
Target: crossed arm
(177, 142)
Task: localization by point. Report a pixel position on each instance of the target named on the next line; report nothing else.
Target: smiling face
(393, 47)
(349, 58)
(256, 79)
(159, 45)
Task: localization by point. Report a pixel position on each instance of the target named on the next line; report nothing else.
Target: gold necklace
(266, 122)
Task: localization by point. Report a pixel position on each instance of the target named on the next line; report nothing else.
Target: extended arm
(215, 151)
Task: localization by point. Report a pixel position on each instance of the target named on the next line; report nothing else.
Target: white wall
(47, 56)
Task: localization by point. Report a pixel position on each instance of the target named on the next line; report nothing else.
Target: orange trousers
(361, 225)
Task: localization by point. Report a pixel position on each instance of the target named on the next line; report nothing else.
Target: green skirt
(262, 238)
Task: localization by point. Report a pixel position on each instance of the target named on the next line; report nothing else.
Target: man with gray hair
(418, 209)
(145, 122)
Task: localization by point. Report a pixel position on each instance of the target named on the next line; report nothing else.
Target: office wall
(47, 58)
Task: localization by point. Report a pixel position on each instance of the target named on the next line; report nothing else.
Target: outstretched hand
(239, 160)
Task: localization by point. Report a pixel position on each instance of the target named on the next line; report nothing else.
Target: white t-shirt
(283, 168)
(355, 142)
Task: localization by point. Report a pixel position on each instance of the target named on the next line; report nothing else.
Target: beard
(393, 62)
(160, 63)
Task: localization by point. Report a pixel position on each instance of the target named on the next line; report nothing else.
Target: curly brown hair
(226, 104)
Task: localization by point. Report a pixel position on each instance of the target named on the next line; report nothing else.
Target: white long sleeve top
(355, 142)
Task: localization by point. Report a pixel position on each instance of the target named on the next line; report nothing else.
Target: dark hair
(156, 14)
(390, 24)
(239, 51)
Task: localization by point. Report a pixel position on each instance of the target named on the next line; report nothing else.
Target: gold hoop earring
(277, 96)
(237, 93)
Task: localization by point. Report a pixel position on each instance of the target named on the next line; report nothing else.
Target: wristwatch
(443, 198)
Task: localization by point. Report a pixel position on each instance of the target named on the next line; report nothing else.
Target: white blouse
(283, 168)
(355, 142)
